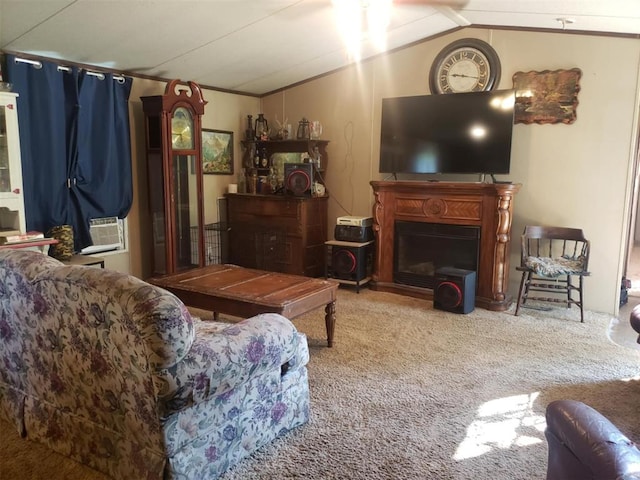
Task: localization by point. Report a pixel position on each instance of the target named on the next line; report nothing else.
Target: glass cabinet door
(185, 201)
(10, 168)
(5, 167)
(11, 196)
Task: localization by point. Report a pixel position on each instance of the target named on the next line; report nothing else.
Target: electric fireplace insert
(421, 248)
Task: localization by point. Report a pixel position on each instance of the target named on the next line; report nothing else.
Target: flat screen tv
(448, 133)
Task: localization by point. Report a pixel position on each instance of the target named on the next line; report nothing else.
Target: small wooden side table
(42, 244)
(84, 260)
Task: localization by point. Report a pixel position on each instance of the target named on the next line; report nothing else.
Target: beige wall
(575, 175)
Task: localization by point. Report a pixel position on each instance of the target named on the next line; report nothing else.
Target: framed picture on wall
(217, 152)
(547, 96)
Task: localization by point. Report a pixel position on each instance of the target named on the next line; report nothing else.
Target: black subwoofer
(298, 179)
(454, 290)
(349, 263)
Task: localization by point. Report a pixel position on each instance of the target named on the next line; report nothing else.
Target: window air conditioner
(107, 234)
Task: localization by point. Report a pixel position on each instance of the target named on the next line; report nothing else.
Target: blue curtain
(75, 145)
(43, 120)
(103, 184)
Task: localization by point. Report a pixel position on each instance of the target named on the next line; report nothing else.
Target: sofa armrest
(585, 444)
(225, 355)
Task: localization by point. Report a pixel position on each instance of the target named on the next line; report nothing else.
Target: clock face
(182, 129)
(467, 65)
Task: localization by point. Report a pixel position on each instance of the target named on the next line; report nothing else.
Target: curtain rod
(62, 68)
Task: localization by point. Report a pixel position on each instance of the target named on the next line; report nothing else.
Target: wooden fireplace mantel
(488, 206)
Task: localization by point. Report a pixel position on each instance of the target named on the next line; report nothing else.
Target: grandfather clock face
(182, 129)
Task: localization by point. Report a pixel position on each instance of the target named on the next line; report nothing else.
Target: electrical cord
(348, 160)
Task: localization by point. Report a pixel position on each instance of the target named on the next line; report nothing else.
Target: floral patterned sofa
(115, 373)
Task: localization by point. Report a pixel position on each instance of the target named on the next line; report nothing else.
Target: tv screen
(449, 133)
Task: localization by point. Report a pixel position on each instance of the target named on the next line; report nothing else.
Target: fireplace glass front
(421, 248)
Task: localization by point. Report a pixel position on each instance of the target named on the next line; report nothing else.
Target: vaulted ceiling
(260, 46)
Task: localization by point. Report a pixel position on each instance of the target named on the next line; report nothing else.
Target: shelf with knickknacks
(264, 156)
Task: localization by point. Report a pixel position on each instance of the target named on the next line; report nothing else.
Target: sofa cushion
(154, 314)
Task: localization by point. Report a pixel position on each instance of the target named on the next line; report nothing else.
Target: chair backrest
(554, 242)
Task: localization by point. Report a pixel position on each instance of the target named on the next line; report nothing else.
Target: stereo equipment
(349, 262)
(298, 179)
(351, 233)
(455, 290)
(355, 221)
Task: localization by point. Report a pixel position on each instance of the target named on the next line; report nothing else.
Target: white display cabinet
(11, 192)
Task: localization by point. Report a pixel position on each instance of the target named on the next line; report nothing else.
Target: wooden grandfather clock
(174, 163)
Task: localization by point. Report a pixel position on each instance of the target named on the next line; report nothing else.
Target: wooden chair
(550, 257)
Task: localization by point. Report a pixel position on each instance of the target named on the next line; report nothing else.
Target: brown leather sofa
(583, 445)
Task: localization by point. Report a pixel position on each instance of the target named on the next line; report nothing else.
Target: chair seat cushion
(554, 267)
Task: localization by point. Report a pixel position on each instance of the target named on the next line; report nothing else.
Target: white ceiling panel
(257, 46)
(575, 21)
(600, 8)
(20, 16)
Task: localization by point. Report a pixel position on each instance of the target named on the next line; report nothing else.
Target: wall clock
(466, 65)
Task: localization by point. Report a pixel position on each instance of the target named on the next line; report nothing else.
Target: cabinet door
(243, 244)
(315, 234)
(186, 223)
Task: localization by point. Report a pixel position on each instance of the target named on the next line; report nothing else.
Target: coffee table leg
(330, 320)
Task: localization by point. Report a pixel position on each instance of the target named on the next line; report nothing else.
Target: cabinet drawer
(264, 206)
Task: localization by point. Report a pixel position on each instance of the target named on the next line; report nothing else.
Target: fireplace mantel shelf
(488, 206)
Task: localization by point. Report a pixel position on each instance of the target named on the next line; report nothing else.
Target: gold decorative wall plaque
(547, 96)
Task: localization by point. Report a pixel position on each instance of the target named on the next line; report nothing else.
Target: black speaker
(298, 179)
(455, 290)
(353, 263)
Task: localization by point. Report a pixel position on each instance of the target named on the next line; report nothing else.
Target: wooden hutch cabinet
(174, 152)
(280, 233)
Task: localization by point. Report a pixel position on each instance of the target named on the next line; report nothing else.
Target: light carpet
(409, 392)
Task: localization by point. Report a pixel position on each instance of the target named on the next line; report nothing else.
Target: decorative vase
(63, 250)
(250, 133)
(316, 130)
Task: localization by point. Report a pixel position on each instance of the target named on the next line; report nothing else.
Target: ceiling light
(358, 20)
(378, 15)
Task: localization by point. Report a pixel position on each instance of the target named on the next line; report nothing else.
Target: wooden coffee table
(246, 292)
